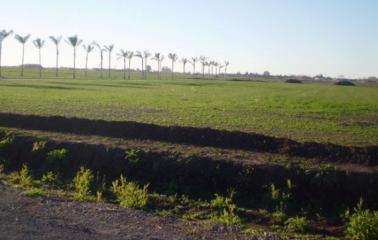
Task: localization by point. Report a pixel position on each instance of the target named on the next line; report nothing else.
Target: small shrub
(129, 194)
(278, 216)
(39, 146)
(363, 224)
(83, 183)
(35, 192)
(133, 157)
(6, 142)
(297, 224)
(50, 179)
(100, 187)
(56, 157)
(225, 210)
(281, 198)
(24, 177)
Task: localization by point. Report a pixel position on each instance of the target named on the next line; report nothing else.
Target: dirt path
(58, 218)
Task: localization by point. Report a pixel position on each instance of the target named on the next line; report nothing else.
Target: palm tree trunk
(40, 64)
(145, 67)
(124, 68)
(57, 62)
(142, 68)
(1, 45)
(102, 66)
(172, 70)
(86, 65)
(74, 68)
(203, 70)
(129, 68)
(110, 64)
(22, 60)
(194, 68)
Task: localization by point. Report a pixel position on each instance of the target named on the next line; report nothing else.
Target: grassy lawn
(306, 112)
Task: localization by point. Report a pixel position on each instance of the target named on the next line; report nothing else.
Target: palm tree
(146, 54)
(74, 41)
(123, 54)
(3, 34)
(109, 49)
(39, 43)
(102, 50)
(203, 60)
(184, 62)
(194, 61)
(130, 55)
(88, 49)
(216, 68)
(23, 41)
(159, 58)
(173, 57)
(220, 68)
(56, 41)
(139, 54)
(226, 64)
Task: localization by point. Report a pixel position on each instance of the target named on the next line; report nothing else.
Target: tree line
(208, 66)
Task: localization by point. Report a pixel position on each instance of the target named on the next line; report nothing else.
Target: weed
(297, 224)
(39, 146)
(50, 179)
(278, 217)
(23, 177)
(56, 157)
(100, 187)
(281, 198)
(35, 192)
(225, 210)
(363, 224)
(83, 183)
(133, 156)
(129, 194)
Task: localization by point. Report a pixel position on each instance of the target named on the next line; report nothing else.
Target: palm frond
(39, 43)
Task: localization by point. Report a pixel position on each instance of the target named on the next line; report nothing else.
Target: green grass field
(306, 112)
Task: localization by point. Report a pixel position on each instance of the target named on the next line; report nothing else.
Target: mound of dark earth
(293, 81)
(345, 83)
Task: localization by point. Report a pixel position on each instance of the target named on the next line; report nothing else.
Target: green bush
(280, 198)
(50, 179)
(129, 194)
(297, 224)
(83, 183)
(363, 224)
(225, 210)
(55, 158)
(23, 177)
(278, 216)
(39, 146)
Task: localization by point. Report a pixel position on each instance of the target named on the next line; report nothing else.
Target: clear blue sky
(333, 37)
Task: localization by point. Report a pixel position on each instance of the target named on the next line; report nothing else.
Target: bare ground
(55, 217)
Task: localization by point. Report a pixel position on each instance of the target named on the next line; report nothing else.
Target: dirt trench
(194, 136)
(202, 177)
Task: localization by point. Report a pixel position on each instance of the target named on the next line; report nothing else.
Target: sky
(329, 37)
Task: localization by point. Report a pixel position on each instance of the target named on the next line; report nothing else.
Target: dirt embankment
(194, 136)
(201, 177)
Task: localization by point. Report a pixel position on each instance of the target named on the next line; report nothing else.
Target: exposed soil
(194, 136)
(54, 217)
